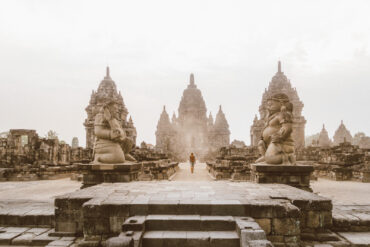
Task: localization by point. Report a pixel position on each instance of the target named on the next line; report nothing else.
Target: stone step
(179, 223)
(191, 238)
(189, 223)
(26, 214)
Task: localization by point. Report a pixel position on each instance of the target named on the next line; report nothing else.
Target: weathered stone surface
(297, 176)
(233, 163)
(109, 173)
(106, 205)
(357, 238)
(351, 218)
(342, 162)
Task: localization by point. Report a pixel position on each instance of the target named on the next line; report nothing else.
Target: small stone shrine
(342, 135)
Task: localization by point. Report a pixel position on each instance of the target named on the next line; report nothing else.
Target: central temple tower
(192, 131)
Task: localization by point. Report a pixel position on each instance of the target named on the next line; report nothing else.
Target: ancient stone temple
(75, 143)
(165, 134)
(342, 135)
(219, 132)
(107, 90)
(192, 130)
(324, 140)
(280, 84)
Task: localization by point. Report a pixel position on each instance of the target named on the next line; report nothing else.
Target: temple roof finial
(164, 108)
(107, 76)
(341, 121)
(191, 79)
(279, 67)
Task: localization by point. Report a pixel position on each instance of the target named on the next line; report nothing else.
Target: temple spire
(279, 67)
(107, 76)
(191, 79)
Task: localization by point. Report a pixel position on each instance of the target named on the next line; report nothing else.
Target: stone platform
(294, 175)
(283, 212)
(94, 174)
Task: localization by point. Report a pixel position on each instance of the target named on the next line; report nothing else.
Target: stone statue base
(94, 174)
(294, 175)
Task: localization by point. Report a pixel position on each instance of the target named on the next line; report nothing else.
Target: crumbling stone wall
(155, 164)
(26, 156)
(233, 163)
(342, 162)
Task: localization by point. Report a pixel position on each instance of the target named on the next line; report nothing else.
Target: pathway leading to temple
(184, 174)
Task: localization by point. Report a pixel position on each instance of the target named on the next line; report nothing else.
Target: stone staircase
(190, 231)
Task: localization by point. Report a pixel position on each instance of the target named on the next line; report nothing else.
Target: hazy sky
(54, 53)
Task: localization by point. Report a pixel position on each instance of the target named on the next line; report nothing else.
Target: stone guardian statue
(276, 146)
(110, 136)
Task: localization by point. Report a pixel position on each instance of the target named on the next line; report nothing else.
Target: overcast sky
(54, 53)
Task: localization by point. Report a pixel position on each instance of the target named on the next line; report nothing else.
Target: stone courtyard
(184, 206)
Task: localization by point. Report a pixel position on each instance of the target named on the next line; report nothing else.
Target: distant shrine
(192, 131)
(280, 84)
(324, 140)
(342, 135)
(107, 90)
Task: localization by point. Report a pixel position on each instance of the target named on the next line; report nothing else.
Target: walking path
(184, 174)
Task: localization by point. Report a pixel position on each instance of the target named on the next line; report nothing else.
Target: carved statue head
(279, 102)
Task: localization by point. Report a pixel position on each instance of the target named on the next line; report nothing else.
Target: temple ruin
(192, 131)
(107, 89)
(280, 84)
(342, 135)
(324, 140)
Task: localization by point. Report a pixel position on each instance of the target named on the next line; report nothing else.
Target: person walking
(192, 162)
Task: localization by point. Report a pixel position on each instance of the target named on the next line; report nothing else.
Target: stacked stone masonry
(26, 156)
(283, 212)
(233, 163)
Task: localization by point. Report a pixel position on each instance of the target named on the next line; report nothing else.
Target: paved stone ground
(25, 236)
(32, 202)
(42, 190)
(184, 174)
(343, 192)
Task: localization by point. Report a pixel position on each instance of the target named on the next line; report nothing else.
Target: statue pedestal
(294, 175)
(94, 174)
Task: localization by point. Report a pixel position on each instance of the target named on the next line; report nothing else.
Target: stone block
(313, 219)
(24, 239)
(66, 226)
(43, 239)
(265, 224)
(259, 243)
(61, 243)
(7, 237)
(275, 239)
(285, 226)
